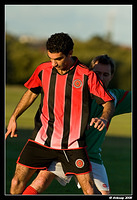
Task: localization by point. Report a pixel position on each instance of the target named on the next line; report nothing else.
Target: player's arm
(103, 97)
(107, 114)
(26, 100)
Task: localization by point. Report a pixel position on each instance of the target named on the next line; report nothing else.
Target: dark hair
(59, 42)
(103, 59)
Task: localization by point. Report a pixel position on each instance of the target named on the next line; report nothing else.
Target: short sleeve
(97, 89)
(34, 83)
(124, 103)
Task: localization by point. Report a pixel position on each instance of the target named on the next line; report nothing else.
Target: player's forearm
(108, 110)
(26, 100)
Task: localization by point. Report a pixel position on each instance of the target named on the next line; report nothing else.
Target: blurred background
(95, 29)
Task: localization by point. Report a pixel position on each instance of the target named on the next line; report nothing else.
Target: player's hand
(11, 129)
(99, 123)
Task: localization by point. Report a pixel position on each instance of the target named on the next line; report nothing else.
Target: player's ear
(70, 53)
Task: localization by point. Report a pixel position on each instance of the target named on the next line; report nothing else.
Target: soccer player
(104, 67)
(61, 120)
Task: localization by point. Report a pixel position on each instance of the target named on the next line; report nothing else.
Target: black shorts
(38, 156)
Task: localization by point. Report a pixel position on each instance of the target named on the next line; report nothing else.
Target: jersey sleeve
(97, 89)
(123, 104)
(34, 83)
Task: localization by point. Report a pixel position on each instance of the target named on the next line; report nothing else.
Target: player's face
(104, 73)
(59, 60)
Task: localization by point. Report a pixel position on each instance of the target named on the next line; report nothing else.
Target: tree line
(22, 58)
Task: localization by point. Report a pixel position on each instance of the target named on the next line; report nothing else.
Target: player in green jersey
(104, 68)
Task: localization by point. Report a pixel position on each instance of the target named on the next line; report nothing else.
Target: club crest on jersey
(79, 163)
(77, 83)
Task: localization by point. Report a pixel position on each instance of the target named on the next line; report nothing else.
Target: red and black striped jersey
(62, 117)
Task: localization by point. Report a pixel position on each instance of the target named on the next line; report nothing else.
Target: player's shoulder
(118, 94)
(82, 68)
(42, 66)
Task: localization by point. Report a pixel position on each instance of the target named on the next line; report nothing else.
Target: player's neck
(64, 71)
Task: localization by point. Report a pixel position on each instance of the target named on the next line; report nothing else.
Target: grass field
(116, 150)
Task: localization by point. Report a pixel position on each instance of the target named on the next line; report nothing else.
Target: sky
(79, 21)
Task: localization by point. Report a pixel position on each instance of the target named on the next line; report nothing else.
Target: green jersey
(95, 138)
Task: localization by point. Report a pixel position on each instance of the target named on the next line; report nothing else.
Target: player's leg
(76, 162)
(44, 178)
(33, 156)
(42, 181)
(105, 192)
(100, 178)
(20, 179)
(86, 183)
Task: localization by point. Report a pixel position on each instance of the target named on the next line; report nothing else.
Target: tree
(23, 58)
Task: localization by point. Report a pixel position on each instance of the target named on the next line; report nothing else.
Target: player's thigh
(84, 178)
(23, 173)
(86, 183)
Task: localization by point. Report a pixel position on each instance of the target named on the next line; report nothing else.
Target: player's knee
(105, 192)
(15, 182)
(88, 190)
(16, 186)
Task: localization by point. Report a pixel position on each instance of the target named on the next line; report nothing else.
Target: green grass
(121, 126)
(117, 160)
(116, 150)
(13, 95)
